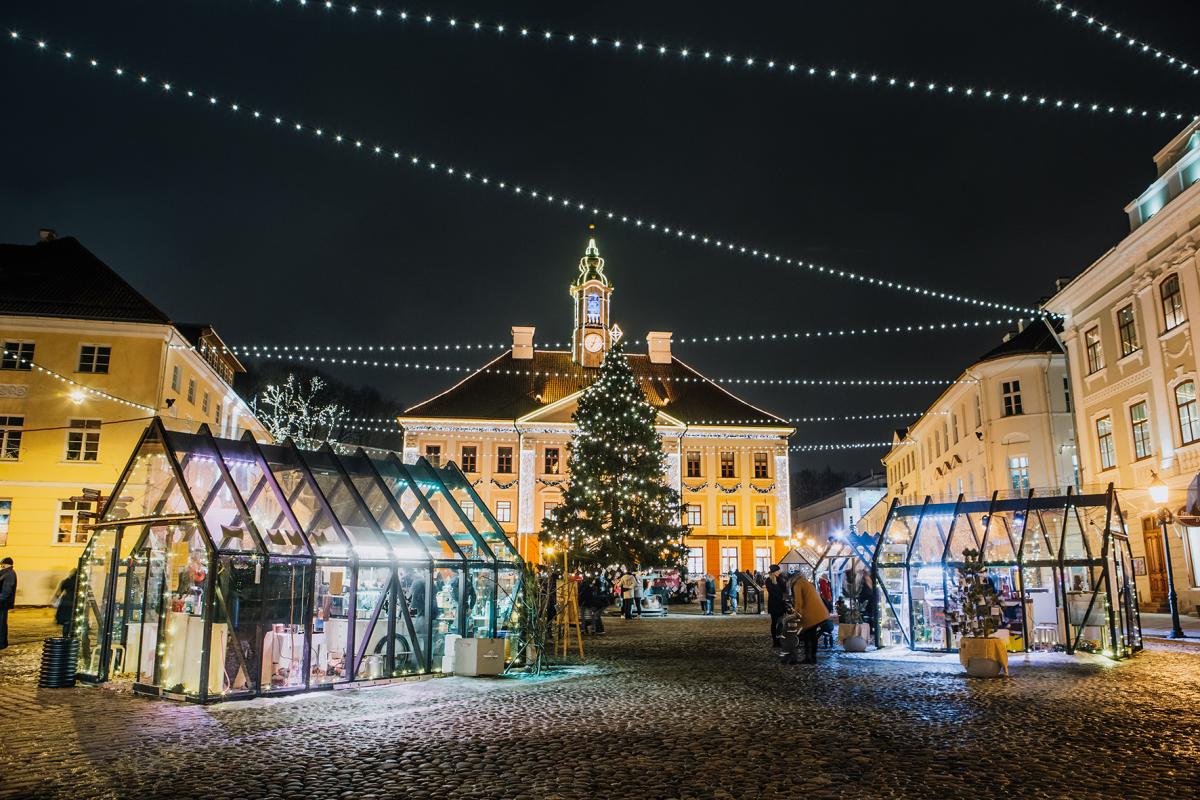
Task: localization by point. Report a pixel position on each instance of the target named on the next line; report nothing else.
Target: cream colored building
(87, 361)
(508, 425)
(840, 511)
(1004, 425)
(1134, 366)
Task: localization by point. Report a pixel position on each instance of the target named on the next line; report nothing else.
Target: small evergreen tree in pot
(978, 602)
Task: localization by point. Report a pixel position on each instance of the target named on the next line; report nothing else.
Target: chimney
(522, 349)
(47, 235)
(658, 345)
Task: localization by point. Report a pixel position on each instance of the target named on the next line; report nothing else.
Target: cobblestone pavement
(684, 707)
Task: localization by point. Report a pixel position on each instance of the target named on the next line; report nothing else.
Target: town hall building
(508, 424)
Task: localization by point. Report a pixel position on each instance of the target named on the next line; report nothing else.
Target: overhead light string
(744, 62)
(79, 387)
(343, 140)
(1114, 34)
(887, 415)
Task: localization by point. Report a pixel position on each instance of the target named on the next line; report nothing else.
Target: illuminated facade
(507, 426)
(1135, 370)
(87, 359)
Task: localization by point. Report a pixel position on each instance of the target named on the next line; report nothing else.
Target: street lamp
(1159, 492)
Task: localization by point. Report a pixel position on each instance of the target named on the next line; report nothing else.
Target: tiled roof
(61, 278)
(1038, 337)
(491, 394)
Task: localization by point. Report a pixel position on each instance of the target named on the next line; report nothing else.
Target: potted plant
(852, 632)
(977, 619)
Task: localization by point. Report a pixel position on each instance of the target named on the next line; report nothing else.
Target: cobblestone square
(682, 707)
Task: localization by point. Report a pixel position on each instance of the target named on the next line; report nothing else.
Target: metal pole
(1173, 599)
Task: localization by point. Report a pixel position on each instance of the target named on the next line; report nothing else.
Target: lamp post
(1159, 492)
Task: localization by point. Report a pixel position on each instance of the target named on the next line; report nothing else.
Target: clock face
(593, 342)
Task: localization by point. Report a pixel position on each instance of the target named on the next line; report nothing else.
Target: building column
(783, 495)
(526, 476)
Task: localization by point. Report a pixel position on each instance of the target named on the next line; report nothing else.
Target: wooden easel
(567, 620)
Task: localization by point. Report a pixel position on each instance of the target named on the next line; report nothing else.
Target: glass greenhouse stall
(1062, 567)
(223, 569)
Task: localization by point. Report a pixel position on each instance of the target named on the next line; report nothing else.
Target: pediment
(562, 411)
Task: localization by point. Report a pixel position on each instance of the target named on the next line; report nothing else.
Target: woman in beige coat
(806, 601)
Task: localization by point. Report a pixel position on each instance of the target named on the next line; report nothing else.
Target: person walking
(8, 596)
(599, 601)
(710, 594)
(64, 600)
(808, 603)
(826, 590)
(627, 583)
(640, 590)
(702, 593)
(732, 589)
(776, 603)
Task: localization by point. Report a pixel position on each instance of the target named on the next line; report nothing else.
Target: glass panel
(402, 539)
(1043, 533)
(929, 605)
(91, 599)
(142, 638)
(1084, 587)
(236, 622)
(148, 487)
(484, 523)
(448, 513)
(446, 619)
(1042, 606)
(412, 621)
(892, 558)
(481, 600)
(999, 536)
(403, 488)
(285, 608)
(301, 496)
(331, 630)
(367, 543)
(277, 531)
(1074, 543)
(374, 602)
(211, 493)
(507, 586)
(181, 648)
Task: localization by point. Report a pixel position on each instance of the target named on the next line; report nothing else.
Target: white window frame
(1133, 428)
(96, 349)
(191, 391)
(1018, 472)
(1093, 350)
(695, 561)
(1194, 416)
(468, 509)
(86, 430)
(731, 461)
(78, 537)
(729, 560)
(10, 436)
(433, 454)
(762, 559)
(557, 460)
(694, 512)
(728, 516)
(504, 511)
(1010, 398)
(699, 462)
(462, 457)
(762, 516)
(1180, 313)
(21, 361)
(1112, 443)
(765, 464)
(550, 509)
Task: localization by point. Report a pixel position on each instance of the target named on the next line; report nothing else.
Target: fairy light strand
(743, 62)
(1114, 34)
(336, 138)
(76, 384)
(881, 416)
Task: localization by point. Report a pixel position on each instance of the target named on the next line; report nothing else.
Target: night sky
(277, 238)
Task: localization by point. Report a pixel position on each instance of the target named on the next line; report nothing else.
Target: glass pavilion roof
(282, 502)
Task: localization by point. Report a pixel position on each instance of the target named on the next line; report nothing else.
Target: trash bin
(60, 657)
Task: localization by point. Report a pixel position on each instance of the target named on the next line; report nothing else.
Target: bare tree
(294, 409)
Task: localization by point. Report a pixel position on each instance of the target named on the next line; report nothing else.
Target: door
(1156, 565)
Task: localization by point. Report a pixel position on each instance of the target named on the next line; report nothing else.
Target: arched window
(1172, 303)
(1185, 408)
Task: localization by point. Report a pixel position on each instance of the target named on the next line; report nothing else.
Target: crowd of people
(801, 611)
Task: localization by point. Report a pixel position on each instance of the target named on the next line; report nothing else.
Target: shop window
(433, 454)
(504, 511)
(695, 561)
(1011, 394)
(760, 465)
(83, 440)
(762, 559)
(1127, 329)
(1185, 407)
(1172, 303)
(727, 466)
(191, 392)
(728, 516)
(70, 528)
(695, 517)
(729, 560)
(5, 516)
(10, 438)
(18, 356)
(504, 460)
(550, 461)
(762, 516)
(94, 358)
(1104, 438)
(1095, 353)
(176, 378)
(693, 464)
(469, 458)
(550, 510)
(1018, 473)
(1139, 421)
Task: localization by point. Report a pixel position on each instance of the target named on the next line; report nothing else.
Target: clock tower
(590, 294)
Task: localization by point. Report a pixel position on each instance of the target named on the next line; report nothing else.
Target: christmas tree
(978, 613)
(617, 511)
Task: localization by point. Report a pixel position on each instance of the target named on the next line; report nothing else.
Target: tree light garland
(745, 62)
(321, 133)
(1115, 35)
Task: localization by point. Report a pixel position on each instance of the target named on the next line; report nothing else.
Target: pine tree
(617, 510)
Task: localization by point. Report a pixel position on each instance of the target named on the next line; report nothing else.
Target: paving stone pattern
(684, 707)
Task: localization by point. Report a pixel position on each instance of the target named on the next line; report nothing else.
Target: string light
(743, 63)
(887, 415)
(251, 350)
(355, 362)
(1115, 35)
(552, 199)
(77, 387)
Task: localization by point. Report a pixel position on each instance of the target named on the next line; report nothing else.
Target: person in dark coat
(64, 596)
(710, 595)
(776, 602)
(8, 596)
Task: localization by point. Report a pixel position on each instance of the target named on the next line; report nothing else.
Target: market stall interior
(227, 568)
(1062, 567)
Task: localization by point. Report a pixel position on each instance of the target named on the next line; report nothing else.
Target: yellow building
(87, 360)
(508, 424)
